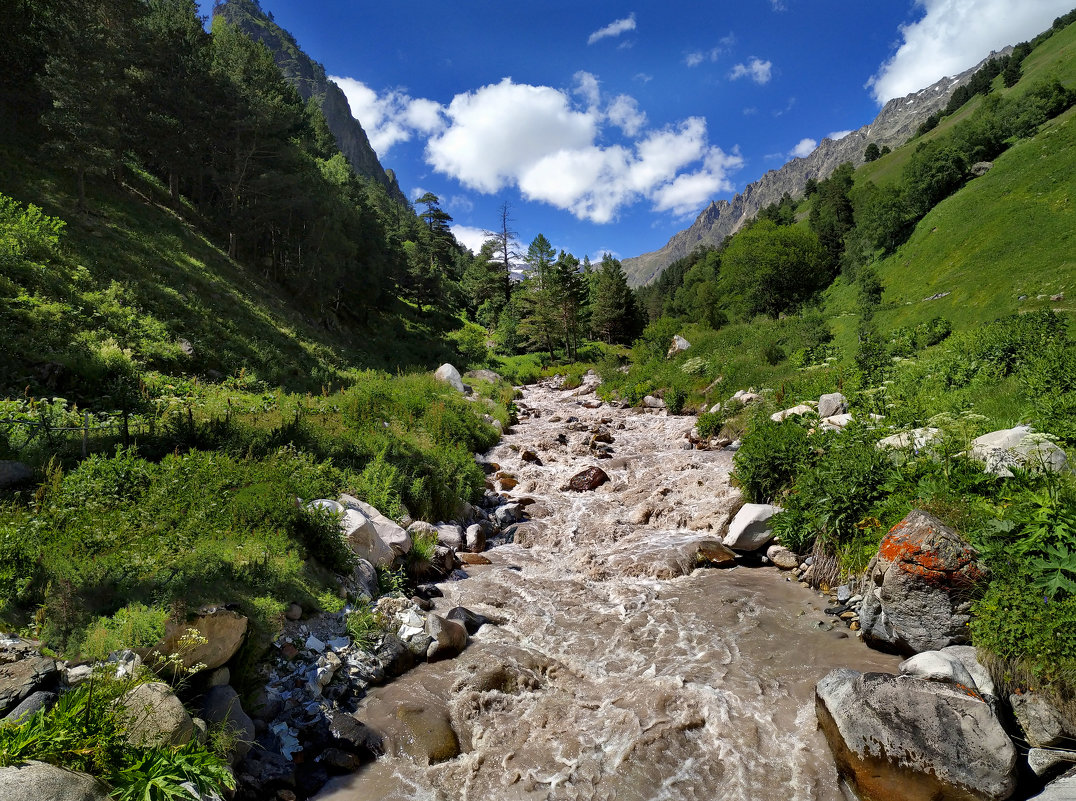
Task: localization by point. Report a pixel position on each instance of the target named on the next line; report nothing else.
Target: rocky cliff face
(893, 126)
(308, 76)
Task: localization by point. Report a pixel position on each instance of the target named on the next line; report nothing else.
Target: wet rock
(394, 656)
(471, 621)
(474, 538)
(1040, 721)
(528, 455)
(449, 638)
(508, 514)
(154, 717)
(917, 587)
(750, 529)
(428, 591)
(42, 699)
(22, 678)
(430, 737)
(222, 629)
(473, 558)
(782, 557)
(340, 761)
(355, 735)
(221, 707)
(933, 741)
(834, 403)
(38, 781)
(587, 480)
(451, 376)
(389, 532)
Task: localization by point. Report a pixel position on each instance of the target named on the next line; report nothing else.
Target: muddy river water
(619, 669)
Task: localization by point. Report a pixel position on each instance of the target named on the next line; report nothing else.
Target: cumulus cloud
(756, 69)
(613, 29)
(953, 35)
(805, 147)
(469, 236)
(390, 117)
(837, 136)
(624, 113)
(588, 87)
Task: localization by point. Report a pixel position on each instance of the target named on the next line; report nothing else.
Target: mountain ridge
(895, 124)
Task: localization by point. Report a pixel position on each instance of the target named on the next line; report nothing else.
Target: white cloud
(469, 236)
(459, 204)
(417, 192)
(778, 5)
(624, 113)
(613, 29)
(757, 70)
(696, 57)
(837, 136)
(391, 117)
(954, 35)
(588, 87)
(643, 77)
(805, 147)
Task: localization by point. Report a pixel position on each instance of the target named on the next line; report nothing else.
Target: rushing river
(618, 670)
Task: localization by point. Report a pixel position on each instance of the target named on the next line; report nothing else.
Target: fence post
(85, 433)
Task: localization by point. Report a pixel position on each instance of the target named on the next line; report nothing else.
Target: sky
(608, 126)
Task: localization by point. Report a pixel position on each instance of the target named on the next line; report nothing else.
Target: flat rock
(900, 738)
(38, 781)
(999, 451)
(938, 666)
(916, 439)
(1062, 789)
(750, 529)
(795, 411)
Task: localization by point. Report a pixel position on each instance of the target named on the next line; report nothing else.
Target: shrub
(364, 625)
(133, 626)
(769, 459)
(674, 400)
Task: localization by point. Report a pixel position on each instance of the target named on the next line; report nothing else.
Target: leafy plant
(770, 457)
(364, 625)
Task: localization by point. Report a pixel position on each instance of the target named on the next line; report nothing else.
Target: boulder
(450, 375)
(836, 422)
(154, 717)
(449, 638)
(1046, 761)
(981, 168)
(474, 538)
(22, 678)
(38, 781)
(1017, 447)
(916, 439)
(795, 411)
(679, 345)
(390, 533)
(450, 535)
(364, 578)
(362, 537)
(12, 473)
(221, 708)
(1062, 789)
(917, 589)
(970, 660)
(587, 480)
(782, 557)
(472, 621)
(831, 404)
(939, 666)
(651, 402)
(42, 699)
(900, 738)
(483, 375)
(222, 630)
(1040, 721)
(508, 514)
(394, 656)
(750, 529)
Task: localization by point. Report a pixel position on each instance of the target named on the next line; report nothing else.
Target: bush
(769, 459)
(133, 626)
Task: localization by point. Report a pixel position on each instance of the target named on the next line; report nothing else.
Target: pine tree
(612, 305)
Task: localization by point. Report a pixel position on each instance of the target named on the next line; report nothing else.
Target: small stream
(619, 668)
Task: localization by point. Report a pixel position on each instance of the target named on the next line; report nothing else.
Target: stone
(1062, 789)
(363, 540)
(450, 535)
(12, 473)
(221, 708)
(969, 659)
(587, 480)
(750, 529)
(22, 678)
(154, 717)
(42, 699)
(678, 345)
(916, 589)
(650, 402)
(782, 557)
(38, 781)
(474, 538)
(483, 375)
(900, 738)
(528, 455)
(916, 439)
(1017, 447)
(832, 404)
(508, 514)
(939, 666)
(394, 656)
(471, 621)
(449, 638)
(473, 558)
(222, 630)
(420, 528)
(294, 611)
(355, 734)
(981, 168)
(74, 675)
(451, 376)
(219, 677)
(430, 737)
(390, 532)
(1044, 761)
(1040, 721)
(836, 422)
(364, 577)
(795, 411)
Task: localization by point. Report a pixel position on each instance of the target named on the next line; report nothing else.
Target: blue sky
(609, 126)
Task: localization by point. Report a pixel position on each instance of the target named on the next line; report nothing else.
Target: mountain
(894, 125)
(309, 78)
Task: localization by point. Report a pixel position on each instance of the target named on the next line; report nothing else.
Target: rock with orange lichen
(917, 590)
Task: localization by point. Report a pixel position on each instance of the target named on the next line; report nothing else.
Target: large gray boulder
(938, 666)
(210, 638)
(901, 738)
(22, 678)
(1060, 789)
(795, 411)
(221, 708)
(999, 451)
(751, 528)
(917, 590)
(38, 781)
(1040, 721)
(450, 375)
(390, 533)
(154, 717)
(449, 638)
(364, 541)
(678, 345)
(834, 403)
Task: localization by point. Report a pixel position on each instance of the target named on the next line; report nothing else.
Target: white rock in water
(751, 529)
